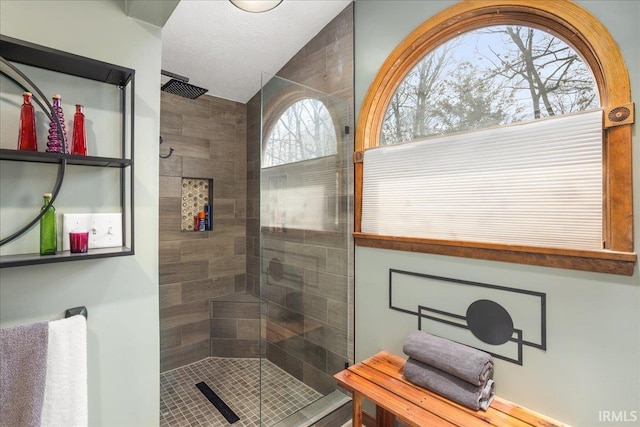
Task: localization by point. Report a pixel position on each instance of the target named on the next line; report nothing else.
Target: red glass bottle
(79, 145)
(27, 135)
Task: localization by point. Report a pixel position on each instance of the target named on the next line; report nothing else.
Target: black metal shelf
(13, 52)
(61, 256)
(27, 53)
(43, 157)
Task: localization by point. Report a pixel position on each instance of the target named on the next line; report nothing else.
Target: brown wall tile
(170, 338)
(183, 271)
(337, 260)
(170, 230)
(227, 266)
(330, 286)
(307, 304)
(186, 146)
(224, 328)
(180, 356)
(224, 150)
(218, 170)
(193, 333)
(240, 283)
(229, 189)
(171, 166)
(222, 347)
(248, 329)
(332, 339)
(170, 295)
(285, 361)
(209, 138)
(207, 249)
(205, 289)
(223, 208)
(170, 186)
(285, 318)
(183, 314)
(183, 106)
(337, 314)
(169, 207)
(170, 123)
(318, 380)
(169, 251)
(235, 310)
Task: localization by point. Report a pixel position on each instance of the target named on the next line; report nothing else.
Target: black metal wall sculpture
(487, 320)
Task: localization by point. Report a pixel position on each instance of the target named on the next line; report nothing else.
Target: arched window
(437, 76)
(299, 189)
(490, 76)
(303, 131)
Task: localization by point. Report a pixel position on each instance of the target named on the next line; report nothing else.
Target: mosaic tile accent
(196, 193)
(237, 382)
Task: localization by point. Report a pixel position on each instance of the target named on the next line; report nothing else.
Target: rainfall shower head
(179, 85)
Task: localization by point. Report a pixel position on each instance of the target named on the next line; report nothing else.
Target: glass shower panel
(304, 230)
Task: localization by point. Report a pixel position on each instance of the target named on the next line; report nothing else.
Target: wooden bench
(380, 379)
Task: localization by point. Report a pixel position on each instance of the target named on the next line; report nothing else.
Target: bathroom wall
(121, 294)
(590, 367)
(208, 135)
(306, 317)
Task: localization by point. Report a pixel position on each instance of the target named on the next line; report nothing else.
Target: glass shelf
(43, 157)
(30, 259)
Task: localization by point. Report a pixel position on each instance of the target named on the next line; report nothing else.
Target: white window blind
(536, 184)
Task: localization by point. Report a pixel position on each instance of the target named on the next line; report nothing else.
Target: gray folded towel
(23, 363)
(466, 363)
(447, 385)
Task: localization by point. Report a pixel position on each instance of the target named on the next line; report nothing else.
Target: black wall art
(496, 319)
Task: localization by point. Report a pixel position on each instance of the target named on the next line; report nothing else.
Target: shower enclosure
(304, 250)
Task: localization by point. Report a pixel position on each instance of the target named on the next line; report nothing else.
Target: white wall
(121, 294)
(592, 362)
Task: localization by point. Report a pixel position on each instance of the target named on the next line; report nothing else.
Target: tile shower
(221, 306)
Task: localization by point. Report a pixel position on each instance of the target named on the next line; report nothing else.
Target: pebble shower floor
(237, 383)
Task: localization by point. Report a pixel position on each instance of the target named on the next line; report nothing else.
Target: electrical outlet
(105, 229)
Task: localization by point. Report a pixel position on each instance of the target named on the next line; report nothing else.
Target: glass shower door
(304, 251)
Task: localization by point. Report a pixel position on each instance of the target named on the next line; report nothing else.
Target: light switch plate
(105, 229)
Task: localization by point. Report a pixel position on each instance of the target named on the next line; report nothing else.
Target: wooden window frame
(592, 40)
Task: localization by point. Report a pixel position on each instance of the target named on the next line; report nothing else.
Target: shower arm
(174, 76)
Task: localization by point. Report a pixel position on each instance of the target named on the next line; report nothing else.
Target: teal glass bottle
(48, 234)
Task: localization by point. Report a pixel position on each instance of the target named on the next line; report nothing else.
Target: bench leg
(356, 402)
(384, 418)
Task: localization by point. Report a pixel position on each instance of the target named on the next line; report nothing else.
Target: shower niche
(196, 198)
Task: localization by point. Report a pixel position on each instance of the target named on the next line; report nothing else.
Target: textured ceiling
(224, 49)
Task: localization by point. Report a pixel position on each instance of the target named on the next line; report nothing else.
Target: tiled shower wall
(309, 311)
(208, 135)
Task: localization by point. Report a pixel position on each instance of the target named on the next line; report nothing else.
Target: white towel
(65, 391)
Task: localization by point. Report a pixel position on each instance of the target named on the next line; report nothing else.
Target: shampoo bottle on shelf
(27, 135)
(202, 221)
(48, 233)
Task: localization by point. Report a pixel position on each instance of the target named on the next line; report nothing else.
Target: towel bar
(82, 310)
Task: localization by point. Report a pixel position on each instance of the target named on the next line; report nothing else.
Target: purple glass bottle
(54, 143)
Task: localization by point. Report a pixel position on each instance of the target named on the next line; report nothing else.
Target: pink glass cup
(79, 241)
